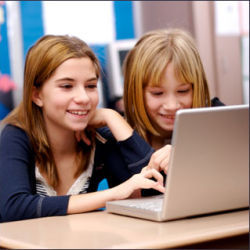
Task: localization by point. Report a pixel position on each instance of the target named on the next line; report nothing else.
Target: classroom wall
(220, 28)
(231, 30)
(6, 84)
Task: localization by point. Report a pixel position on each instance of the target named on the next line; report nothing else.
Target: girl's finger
(158, 158)
(155, 174)
(78, 136)
(164, 164)
(155, 185)
(85, 138)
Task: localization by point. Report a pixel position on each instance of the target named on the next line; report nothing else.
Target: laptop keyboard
(149, 204)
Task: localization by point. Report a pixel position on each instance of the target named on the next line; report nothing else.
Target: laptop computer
(208, 169)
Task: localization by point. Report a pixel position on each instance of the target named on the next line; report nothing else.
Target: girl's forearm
(118, 126)
(88, 202)
(91, 201)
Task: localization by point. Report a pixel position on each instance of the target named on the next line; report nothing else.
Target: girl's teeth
(78, 112)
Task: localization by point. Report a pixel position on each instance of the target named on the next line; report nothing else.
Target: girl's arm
(122, 130)
(18, 198)
(116, 123)
(110, 118)
(91, 201)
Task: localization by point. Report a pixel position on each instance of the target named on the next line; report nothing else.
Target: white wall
(92, 21)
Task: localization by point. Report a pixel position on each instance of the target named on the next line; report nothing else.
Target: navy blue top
(116, 161)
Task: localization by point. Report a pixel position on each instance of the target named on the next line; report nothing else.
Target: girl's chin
(78, 128)
(167, 129)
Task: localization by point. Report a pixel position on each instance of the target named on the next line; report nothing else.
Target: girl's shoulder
(215, 102)
(11, 130)
(14, 136)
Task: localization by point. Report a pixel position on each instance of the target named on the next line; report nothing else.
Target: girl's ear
(36, 97)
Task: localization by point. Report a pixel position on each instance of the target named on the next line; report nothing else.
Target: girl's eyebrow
(65, 79)
(92, 79)
(154, 87)
(183, 84)
(69, 79)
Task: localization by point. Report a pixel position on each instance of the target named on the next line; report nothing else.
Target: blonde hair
(42, 59)
(144, 65)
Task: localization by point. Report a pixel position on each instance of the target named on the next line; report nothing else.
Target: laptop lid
(208, 169)
(209, 164)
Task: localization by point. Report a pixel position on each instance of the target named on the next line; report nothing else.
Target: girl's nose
(171, 103)
(81, 96)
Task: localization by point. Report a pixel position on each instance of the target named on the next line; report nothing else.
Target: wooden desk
(103, 230)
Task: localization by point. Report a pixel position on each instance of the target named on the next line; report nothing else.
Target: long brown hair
(42, 59)
(144, 65)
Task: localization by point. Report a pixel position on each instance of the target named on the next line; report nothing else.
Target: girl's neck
(64, 148)
(62, 142)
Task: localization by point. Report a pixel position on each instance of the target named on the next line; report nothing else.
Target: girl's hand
(98, 120)
(160, 159)
(108, 117)
(81, 135)
(140, 181)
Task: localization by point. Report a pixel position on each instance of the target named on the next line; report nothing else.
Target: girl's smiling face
(163, 101)
(69, 97)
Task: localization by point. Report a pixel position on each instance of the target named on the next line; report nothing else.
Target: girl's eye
(183, 91)
(156, 93)
(66, 86)
(92, 86)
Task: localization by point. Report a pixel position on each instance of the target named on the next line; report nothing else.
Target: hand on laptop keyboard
(160, 159)
(140, 181)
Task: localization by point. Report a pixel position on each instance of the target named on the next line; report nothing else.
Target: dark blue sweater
(116, 161)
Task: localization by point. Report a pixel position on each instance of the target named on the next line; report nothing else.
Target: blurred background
(111, 28)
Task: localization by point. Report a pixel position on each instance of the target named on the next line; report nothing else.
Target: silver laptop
(209, 167)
